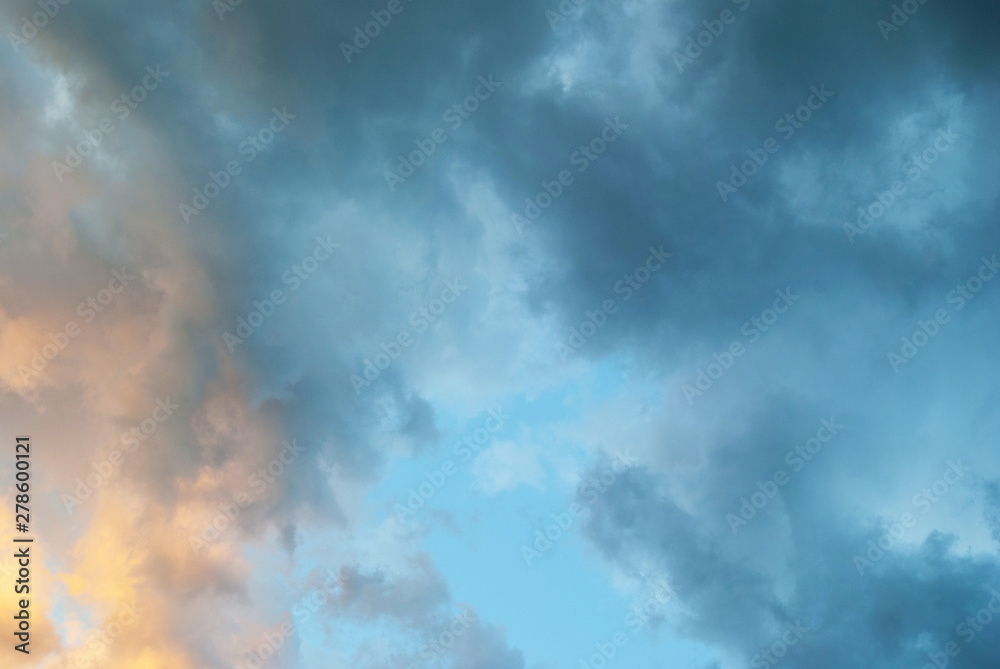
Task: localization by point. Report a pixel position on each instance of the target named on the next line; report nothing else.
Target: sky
(520, 335)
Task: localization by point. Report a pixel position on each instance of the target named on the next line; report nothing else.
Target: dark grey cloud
(993, 508)
(910, 606)
(445, 632)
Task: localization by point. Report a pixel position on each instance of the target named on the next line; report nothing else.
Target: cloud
(322, 177)
(505, 465)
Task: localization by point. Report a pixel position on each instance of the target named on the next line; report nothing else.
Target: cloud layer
(271, 273)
